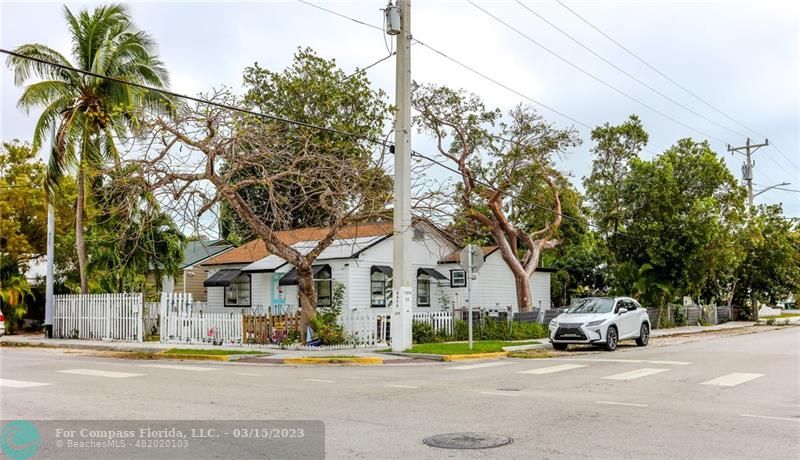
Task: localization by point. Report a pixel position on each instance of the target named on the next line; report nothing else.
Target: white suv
(601, 321)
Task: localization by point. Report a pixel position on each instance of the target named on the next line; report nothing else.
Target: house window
(423, 291)
(378, 284)
(237, 294)
(323, 283)
(458, 278)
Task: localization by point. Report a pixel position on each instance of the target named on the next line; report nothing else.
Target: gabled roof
(199, 250)
(340, 248)
(455, 256)
(257, 249)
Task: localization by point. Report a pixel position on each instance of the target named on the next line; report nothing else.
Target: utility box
(392, 19)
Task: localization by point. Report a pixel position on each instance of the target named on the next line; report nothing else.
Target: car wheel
(560, 346)
(611, 338)
(644, 335)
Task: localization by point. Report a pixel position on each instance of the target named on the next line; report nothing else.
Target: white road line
(497, 393)
(99, 373)
(612, 360)
(390, 385)
(248, 375)
(479, 366)
(731, 380)
(319, 380)
(20, 383)
(180, 368)
(552, 369)
(785, 419)
(613, 403)
(637, 374)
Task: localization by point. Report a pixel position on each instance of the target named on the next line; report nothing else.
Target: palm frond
(26, 68)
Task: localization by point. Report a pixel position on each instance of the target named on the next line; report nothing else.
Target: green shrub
(489, 329)
(422, 332)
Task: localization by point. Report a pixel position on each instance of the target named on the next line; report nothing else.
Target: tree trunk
(308, 299)
(80, 243)
(523, 292)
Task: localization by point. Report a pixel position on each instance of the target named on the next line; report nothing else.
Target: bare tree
(206, 155)
(498, 167)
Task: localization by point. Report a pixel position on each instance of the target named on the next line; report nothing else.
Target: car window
(592, 305)
(630, 305)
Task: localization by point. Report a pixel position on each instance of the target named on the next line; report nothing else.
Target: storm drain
(469, 440)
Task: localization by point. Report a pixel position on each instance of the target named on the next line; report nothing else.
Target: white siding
(494, 287)
(216, 295)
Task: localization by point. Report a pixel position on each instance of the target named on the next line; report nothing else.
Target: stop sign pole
(471, 261)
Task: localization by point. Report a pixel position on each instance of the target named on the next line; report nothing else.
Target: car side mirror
(622, 310)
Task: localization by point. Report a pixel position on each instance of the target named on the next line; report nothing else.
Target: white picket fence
(367, 328)
(441, 321)
(98, 316)
(181, 323)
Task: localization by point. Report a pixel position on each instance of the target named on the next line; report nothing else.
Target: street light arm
(770, 188)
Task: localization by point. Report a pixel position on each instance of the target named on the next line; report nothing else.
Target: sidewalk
(697, 329)
(38, 340)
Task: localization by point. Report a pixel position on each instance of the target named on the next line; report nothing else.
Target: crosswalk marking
(552, 369)
(391, 385)
(99, 373)
(614, 403)
(497, 393)
(731, 380)
(180, 368)
(319, 380)
(615, 360)
(479, 366)
(20, 383)
(637, 374)
(769, 417)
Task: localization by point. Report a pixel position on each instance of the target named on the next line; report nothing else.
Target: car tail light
(2, 318)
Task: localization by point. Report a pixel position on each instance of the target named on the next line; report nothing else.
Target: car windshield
(593, 305)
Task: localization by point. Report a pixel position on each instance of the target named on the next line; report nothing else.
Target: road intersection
(735, 397)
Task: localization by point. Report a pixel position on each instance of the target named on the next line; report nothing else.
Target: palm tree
(89, 113)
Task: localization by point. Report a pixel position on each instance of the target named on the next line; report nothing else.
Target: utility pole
(401, 263)
(747, 175)
(51, 228)
(747, 168)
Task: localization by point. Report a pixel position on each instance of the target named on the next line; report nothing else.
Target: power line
(628, 74)
(196, 99)
(287, 121)
(671, 80)
(459, 63)
(592, 76)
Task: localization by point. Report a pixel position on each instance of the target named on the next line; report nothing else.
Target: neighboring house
(193, 274)
(360, 258)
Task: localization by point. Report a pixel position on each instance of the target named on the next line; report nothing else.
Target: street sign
(477, 257)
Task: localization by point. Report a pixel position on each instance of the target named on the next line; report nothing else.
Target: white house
(360, 259)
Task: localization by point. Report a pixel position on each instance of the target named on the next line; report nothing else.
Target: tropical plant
(88, 113)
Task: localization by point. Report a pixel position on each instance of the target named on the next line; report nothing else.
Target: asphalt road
(734, 397)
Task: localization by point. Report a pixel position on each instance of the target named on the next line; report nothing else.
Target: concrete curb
(233, 357)
(499, 354)
(533, 346)
(366, 360)
(414, 355)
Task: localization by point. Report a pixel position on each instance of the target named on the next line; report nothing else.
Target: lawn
(215, 352)
(485, 346)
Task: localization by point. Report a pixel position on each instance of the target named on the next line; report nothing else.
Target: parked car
(601, 321)
(2, 324)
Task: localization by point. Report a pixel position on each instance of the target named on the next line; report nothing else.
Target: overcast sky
(742, 57)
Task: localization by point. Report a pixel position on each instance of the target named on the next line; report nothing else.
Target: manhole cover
(469, 440)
